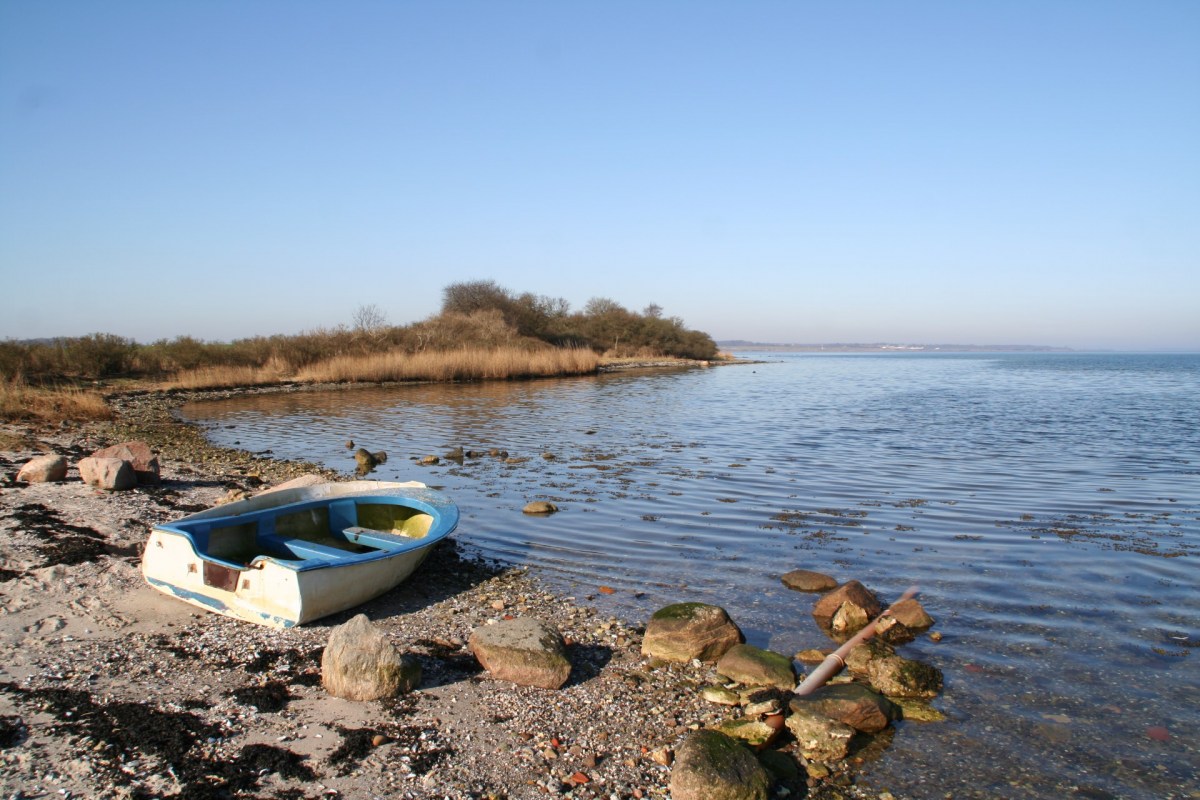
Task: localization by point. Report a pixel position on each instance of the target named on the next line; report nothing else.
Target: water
(1048, 505)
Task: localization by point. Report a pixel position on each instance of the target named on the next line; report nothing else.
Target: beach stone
(812, 656)
(720, 695)
(43, 469)
(712, 766)
(754, 733)
(110, 474)
(853, 704)
(804, 580)
(683, 631)
(849, 619)
(781, 765)
(525, 651)
(913, 710)
(851, 593)
(753, 666)
(897, 676)
(819, 737)
(361, 663)
(140, 457)
(540, 507)
(430, 461)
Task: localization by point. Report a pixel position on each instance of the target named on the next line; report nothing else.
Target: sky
(916, 172)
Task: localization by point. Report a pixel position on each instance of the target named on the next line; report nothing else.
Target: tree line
(474, 314)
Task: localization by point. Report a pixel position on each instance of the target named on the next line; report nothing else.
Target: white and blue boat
(290, 556)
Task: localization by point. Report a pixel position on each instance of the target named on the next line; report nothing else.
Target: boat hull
(286, 560)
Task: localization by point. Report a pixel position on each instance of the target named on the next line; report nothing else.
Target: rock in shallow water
(804, 580)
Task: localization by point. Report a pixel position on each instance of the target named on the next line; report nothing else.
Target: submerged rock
(897, 676)
(684, 631)
(804, 580)
(540, 507)
(712, 766)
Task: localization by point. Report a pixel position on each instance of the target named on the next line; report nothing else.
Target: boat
(293, 555)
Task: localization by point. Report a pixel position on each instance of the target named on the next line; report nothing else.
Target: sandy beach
(111, 689)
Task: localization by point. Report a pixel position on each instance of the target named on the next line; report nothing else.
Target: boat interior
(320, 532)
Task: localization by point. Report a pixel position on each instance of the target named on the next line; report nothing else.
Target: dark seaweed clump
(270, 697)
(420, 748)
(65, 543)
(171, 737)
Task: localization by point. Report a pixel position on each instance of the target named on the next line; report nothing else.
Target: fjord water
(1048, 506)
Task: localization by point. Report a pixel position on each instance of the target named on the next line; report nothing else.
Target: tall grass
(453, 365)
(21, 402)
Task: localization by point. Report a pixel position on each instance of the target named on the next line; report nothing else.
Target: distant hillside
(887, 347)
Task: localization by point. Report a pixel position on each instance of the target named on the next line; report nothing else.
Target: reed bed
(468, 364)
(226, 377)
(20, 401)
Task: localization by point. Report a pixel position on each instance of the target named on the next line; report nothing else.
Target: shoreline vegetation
(483, 332)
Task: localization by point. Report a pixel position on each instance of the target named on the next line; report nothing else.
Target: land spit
(109, 689)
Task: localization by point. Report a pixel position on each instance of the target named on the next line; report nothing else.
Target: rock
(720, 695)
(911, 614)
(848, 620)
(366, 460)
(812, 656)
(361, 663)
(525, 651)
(43, 469)
(111, 474)
(380, 456)
(851, 593)
(430, 461)
(684, 631)
(782, 766)
(711, 766)
(897, 676)
(752, 666)
(140, 457)
(918, 710)
(804, 580)
(540, 507)
(819, 737)
(754, 733)
(851, 703)
(859, 659)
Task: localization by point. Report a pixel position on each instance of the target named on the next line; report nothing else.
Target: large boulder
(712, 766)
(805, 580)
(752, 666)
(525, 651)
(43, 469)
(361, 663)
(851, 703)
(684, 631)
(110, 474)
(140, 457)
(851, 605)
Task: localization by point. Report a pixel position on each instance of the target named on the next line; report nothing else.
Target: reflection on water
(1049, 507)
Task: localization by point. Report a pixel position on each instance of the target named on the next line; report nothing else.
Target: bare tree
(370, 321)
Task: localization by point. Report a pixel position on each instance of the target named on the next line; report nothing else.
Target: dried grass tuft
(19, 401)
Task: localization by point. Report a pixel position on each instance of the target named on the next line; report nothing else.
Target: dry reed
(19, 401)
(467, 364)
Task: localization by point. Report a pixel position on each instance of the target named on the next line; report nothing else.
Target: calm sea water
(1048, 505)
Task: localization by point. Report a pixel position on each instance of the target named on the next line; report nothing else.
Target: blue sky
(1016, 172)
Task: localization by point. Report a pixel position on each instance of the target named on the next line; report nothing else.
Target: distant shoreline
(881, 347)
